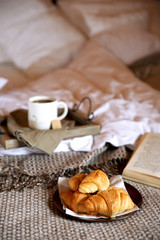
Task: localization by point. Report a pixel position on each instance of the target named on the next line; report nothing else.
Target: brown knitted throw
(17, 172)
(30, 214)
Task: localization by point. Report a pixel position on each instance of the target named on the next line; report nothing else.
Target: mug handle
(64, 114)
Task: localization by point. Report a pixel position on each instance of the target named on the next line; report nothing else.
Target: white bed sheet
(124, 106)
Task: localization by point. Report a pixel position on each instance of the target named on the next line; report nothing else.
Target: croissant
(66, 197)
(76, 180)
(95, 181)
(72, 199)
(77, 198)
(108, 202)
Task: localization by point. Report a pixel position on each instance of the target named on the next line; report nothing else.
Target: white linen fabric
(124, 106)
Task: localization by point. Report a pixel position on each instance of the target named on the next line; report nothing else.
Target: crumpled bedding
(124, 106)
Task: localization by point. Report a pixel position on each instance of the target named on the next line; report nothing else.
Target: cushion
(41, 40)
(93, 17)
(11, 77)
(3, 55)
(129, 45)
(154, 20)
(14, 12)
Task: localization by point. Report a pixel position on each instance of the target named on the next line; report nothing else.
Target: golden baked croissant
(66, 197)
(77, 198)
(95, 181)
(72, 199)
(76, 180)
(108, 202)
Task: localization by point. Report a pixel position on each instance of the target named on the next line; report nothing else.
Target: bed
(106, 51)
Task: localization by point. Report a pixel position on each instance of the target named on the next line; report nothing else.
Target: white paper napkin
(116, 181)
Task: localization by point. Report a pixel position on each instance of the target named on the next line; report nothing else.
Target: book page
(146, 158)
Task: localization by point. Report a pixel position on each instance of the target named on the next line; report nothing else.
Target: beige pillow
(154, 21)
(14, 77)
(13, 12)
(93, 17)
(3, 55)
(129, 45)
(41, 42)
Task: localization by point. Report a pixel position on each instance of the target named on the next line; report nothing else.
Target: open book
(144, 164)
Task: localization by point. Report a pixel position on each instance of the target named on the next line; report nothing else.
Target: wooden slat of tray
(8, 141)
(82, 131)
(86, 127)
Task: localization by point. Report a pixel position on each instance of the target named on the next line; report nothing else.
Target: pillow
(13, 12)
(16, 11)
(3, 56)
(12, 77)
(93, 17)
(42, 42)
(129, 45)
(154, 20)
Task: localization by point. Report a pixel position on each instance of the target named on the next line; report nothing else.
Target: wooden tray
(78, 126)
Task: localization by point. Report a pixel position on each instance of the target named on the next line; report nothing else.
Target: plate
(133, 192)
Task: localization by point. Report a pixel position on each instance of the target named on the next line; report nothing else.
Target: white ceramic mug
(42, 110)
